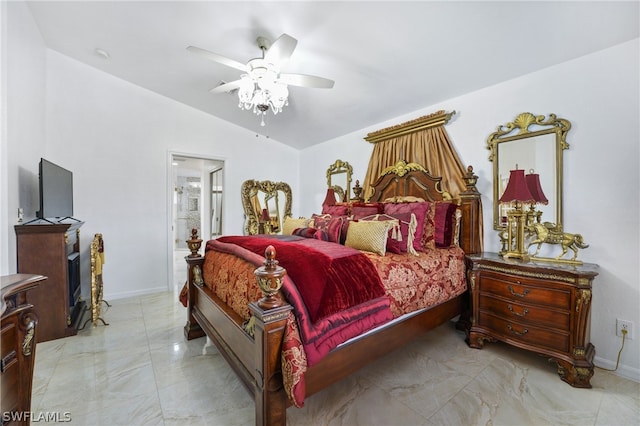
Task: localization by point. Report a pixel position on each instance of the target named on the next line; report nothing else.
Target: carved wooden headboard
(408, 179)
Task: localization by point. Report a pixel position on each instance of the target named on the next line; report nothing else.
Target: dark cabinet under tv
(53, 250)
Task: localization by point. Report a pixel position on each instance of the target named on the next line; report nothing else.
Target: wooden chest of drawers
(17, 346)
(541, 307)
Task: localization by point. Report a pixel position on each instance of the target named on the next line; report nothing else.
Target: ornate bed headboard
(411, 179)
(408, 179)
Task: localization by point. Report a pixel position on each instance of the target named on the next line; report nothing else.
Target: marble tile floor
(139, 370)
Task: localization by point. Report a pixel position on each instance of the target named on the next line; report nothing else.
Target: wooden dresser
(18, 346)
(53, 250)
(541, 307)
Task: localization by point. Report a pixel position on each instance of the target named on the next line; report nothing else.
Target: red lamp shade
(517, 189)
(533, 182)
(330, 198)
(265, 216)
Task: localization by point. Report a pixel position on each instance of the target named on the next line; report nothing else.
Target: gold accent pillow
(290, 224)
(369, 236)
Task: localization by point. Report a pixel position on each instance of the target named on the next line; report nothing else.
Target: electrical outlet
(624, 325)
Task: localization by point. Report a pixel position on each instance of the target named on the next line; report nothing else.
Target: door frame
(169, 200)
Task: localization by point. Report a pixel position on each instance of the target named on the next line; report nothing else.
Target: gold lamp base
(515, 235)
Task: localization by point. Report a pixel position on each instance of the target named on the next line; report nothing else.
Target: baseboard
(622, 371)
(127, 294)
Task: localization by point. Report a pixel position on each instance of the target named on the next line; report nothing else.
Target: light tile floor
(139, 370)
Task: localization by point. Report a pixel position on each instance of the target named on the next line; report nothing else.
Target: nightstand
(541, 307)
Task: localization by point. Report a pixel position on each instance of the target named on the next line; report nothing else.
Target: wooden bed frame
(257, 360)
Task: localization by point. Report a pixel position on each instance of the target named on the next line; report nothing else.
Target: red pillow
(337, 210)
(444, 223)
(310, 233)
(360, 210)
(419, 210)
(332, 226)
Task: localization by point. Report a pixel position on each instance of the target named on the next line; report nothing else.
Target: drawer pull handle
(524, 311)
(8, 359)
(519, 333)
(523, 294)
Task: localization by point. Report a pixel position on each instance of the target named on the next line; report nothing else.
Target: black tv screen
(56, 191)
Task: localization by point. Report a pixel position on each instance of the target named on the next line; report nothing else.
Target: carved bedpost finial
(470, 179)
(357, 191)
(269, 277)
(194, 243)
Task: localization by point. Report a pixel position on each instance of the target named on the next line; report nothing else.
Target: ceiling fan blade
(226, 87)
(307, 81)
(281, 50)
(218, 58)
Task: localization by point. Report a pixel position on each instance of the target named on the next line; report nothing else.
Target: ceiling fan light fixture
(261, 90)
(262, 87)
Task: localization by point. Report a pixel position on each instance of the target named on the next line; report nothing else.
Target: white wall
(23, 132)
(598, 93)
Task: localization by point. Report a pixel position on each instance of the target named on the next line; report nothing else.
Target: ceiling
(387, 58)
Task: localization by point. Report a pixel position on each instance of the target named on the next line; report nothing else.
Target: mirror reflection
(339, 178)
(265, 205)
(537, 156)
(534, 144)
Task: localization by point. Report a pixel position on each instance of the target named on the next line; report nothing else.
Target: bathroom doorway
(196, 194)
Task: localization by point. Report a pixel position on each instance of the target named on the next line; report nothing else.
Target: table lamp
(516, 194)
(533, 183)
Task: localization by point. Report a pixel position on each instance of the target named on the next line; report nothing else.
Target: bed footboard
(257, 360)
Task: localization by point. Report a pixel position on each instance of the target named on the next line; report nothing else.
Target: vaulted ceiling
(387, 58)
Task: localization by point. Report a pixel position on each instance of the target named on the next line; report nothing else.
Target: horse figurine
(546, 234)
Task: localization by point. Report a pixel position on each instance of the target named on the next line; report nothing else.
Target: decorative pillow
(320, 218)
(290, 224)
(405, 199)
(360, 210)
(401, 233)
(333, 226)
(419, 209)
(337, 210)
(311, 233)
(368, 235)
(427, 240)
(444, 224)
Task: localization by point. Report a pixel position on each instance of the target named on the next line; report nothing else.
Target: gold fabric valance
(439, 118)
(424, 141)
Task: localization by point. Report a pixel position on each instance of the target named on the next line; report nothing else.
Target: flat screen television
(56, 191)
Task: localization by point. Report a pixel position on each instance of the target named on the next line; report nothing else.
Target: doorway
(196, 194)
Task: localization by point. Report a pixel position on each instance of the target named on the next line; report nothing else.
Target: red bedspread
(329, 277)
(322, 275)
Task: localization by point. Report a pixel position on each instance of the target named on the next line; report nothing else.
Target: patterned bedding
(411, 283)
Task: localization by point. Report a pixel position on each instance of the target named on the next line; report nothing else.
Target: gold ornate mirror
(339, 178)
(265, 205)
(534, 144)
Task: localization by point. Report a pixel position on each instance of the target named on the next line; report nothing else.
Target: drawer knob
(518, 333)
(524, 311)
(523, 294)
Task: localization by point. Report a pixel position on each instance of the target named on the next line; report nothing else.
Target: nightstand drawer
(525, 290)
(10, 368)
(527, 333)
(529, 314)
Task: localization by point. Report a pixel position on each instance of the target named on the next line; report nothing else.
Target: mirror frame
(521, 125)
(270, 190)
(336, 168)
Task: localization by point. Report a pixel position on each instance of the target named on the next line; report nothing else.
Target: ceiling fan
(263, 86)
